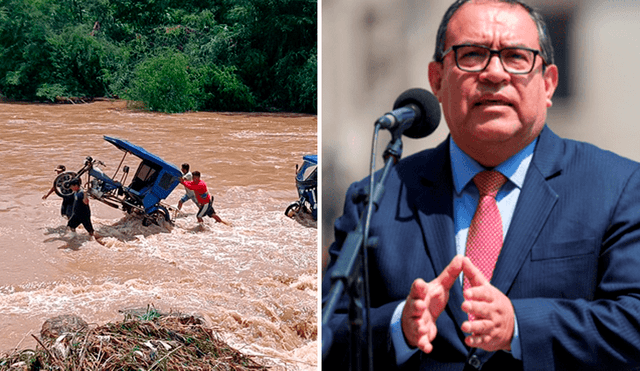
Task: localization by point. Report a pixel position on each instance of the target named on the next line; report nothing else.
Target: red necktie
(485, 233)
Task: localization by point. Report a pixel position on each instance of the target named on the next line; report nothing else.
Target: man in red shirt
(205, 200)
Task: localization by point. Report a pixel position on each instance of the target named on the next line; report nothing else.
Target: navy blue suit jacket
(570, 263)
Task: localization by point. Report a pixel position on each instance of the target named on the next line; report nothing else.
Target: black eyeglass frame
(497, 52)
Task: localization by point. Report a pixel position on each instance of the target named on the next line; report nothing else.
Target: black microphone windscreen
(429, 111)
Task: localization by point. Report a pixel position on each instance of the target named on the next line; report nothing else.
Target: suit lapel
(434, 208)
(535, 203)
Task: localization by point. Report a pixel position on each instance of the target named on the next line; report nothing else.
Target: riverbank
(143, 340)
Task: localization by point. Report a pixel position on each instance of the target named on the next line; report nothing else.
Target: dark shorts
(85, 220)
(67, 207)
(206, 210)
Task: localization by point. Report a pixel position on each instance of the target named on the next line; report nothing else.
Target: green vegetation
(173, 56)
(151, 314)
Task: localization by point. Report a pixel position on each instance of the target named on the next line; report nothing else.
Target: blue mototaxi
(307, 185)
(154, 180)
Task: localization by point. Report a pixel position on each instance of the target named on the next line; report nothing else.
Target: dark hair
(61, 168)
(75, 181)
(546, 48)
(196, 173)
(185, 166)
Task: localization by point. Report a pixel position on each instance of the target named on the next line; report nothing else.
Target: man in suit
(564, 293)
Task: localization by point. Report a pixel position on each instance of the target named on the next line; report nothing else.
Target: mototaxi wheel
(292, 209)
(157, 217)
(61, 184)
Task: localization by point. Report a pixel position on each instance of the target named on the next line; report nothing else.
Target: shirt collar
(464, 168)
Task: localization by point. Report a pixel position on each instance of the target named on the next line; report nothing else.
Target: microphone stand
(351, 273)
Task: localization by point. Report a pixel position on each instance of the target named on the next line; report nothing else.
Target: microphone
(416, 114)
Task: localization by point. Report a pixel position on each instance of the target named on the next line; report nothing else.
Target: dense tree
(223, 55)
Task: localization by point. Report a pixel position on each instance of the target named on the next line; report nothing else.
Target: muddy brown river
(255, 282)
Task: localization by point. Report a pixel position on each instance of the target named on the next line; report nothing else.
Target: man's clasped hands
(492, 326)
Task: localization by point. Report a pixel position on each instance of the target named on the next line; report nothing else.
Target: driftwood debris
(152, 341)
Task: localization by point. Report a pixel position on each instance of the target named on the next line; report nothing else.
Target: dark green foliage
(75, 62)
(163, 83)
(223, 55)
(223, 90)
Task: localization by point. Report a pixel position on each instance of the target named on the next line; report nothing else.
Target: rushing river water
(255, 282)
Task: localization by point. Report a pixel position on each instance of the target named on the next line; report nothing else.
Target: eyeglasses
(475, 58)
